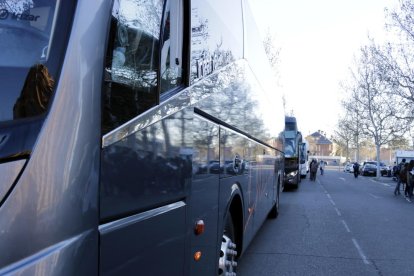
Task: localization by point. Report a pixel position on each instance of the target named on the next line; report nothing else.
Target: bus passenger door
(146, 146)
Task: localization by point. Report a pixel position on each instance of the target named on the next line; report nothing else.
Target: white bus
(304, 159)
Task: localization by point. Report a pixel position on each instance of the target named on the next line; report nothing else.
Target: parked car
(386, 171)
(370, 162)
(369, 169)
(347, 167)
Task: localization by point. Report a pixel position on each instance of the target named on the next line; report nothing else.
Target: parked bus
(135, 137)
(304, 158)
(293, 140)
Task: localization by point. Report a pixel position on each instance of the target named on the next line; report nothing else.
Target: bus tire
(274, 212)
(228, 253)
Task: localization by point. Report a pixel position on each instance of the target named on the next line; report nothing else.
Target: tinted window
(132, 61)
(172, 43)
(30, 60)
(290, 126)
(216, 35)
(27, 84)
(290, 147)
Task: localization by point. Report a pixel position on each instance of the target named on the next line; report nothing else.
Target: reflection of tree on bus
(36, 92)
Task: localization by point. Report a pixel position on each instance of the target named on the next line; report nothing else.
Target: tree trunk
(378, 147)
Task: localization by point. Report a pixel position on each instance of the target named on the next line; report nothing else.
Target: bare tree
(393, 65)
(402, 19)
(354, 109)
(395, 59)
(399, 143)
(343, 136)
(372, 99)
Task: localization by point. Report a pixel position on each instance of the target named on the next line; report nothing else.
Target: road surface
(337, 225)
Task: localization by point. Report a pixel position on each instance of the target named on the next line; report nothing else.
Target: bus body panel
(56, 197)
(205, 186)
(69, 257)
(128, 202)
(147, 169)
(141, 173)
(140, 244)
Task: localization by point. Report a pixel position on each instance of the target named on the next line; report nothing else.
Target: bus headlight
(292, 174)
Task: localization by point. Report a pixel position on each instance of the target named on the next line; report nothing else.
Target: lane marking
(346, 226)
(338, 212)
(379, 182)
(361, 253)
(374, 196)
(343, 179)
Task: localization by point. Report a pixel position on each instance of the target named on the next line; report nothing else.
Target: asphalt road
(337, 225)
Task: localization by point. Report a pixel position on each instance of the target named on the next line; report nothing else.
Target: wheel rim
(227, 261)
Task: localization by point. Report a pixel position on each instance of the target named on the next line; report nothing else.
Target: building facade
(319, 144)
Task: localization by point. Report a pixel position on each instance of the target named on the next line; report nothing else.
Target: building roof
(320, 139)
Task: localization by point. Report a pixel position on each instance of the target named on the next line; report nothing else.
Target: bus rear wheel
(228, 254)
(274, 212)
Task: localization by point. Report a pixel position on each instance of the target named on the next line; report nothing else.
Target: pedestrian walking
(322, 166)
(410, 182)
(403, 178)
(394, 171)
(398, 169)
(356, 169)
(313, 169)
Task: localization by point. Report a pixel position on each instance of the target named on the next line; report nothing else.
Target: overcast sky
(318, 40)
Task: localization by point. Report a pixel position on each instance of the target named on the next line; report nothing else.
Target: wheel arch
(235, 210)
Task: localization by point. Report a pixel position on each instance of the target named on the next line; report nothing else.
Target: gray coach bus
(136, 137)
(293, 142)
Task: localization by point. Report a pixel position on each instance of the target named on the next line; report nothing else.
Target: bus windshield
(25, 29)
(33, 42)
(290, 147)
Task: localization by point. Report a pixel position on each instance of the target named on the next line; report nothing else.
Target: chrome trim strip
(185, 98)
(124, 222)
(176, 103)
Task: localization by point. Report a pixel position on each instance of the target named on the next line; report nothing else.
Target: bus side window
(132, 61)
(172, 46)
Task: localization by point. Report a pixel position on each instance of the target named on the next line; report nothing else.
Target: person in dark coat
(313, 169)
(356, 169)
(403, 178)
(398, 169)
(409, 179)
